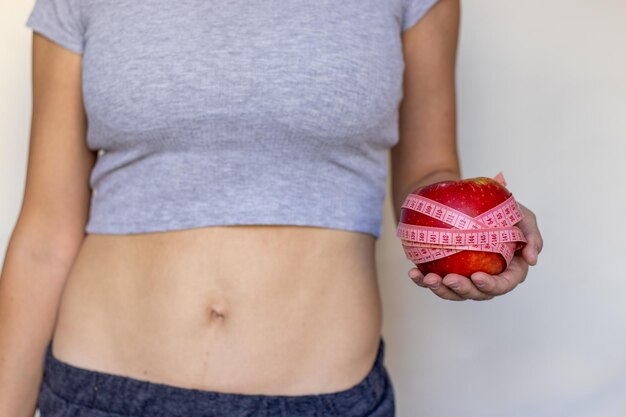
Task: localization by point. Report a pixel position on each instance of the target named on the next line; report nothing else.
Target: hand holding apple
(461, 226)
(482, 286)
(451, 279)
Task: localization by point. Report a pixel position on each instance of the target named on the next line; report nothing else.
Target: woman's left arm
(426, 151)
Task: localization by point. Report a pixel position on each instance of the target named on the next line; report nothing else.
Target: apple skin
(471, 196)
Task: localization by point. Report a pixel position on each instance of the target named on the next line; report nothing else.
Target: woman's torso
(288, 107)
(250, 309)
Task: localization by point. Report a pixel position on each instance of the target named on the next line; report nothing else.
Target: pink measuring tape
(491, 231)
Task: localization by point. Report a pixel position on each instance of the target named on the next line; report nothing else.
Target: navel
(216, 313)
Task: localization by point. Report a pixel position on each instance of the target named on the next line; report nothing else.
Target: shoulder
(436, 31)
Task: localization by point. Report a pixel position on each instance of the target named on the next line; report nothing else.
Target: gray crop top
(236, 112)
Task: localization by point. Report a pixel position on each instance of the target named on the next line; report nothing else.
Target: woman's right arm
(50, 227)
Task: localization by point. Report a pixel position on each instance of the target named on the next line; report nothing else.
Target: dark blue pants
(70, 391)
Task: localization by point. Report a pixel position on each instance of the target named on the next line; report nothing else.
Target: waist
(250, 309)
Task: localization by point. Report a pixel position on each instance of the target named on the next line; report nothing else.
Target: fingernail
(479, 283)
(455, 285)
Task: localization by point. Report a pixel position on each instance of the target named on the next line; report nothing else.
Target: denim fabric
(70, 391)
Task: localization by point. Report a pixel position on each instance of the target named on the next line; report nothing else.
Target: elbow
(38, 240)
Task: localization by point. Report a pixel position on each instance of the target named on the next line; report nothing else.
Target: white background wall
(541, 97)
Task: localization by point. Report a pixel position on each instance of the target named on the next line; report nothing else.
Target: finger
(533, 247)
(464, 287)
(516, 273)
(414, 273)
(417, 277)
(434, 282)
(529, 227)
(503, 282)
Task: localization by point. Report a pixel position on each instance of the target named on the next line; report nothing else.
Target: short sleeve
(414, 10)
(60, 21)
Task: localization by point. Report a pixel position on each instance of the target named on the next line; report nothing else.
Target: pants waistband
(133, 397)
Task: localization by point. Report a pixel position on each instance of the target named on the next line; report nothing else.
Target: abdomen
(250, 309)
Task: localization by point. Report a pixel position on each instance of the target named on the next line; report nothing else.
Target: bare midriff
(272, 310)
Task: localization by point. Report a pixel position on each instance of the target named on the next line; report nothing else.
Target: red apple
(472, 197)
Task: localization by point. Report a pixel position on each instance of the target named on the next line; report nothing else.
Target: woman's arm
(427, 153)
(50, 227)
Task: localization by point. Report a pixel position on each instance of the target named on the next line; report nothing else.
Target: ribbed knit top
(209, 112)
